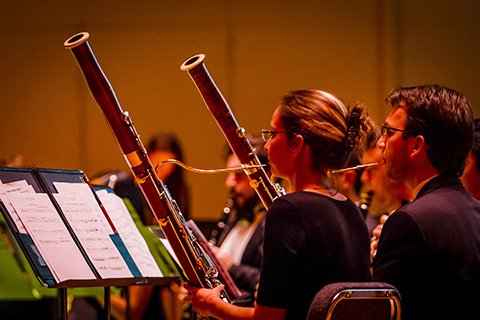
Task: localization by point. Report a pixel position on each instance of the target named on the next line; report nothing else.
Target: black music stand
(33, 181)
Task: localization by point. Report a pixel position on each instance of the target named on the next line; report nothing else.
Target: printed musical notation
(129, 233)
(93, 230)
(49, 233)
(20, 186)
(74, 235)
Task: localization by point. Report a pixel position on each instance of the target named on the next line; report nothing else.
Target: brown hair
(176, 182)
(443, 116)
(334, 132)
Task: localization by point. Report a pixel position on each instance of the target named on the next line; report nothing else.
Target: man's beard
(397, 170)
(246, 211)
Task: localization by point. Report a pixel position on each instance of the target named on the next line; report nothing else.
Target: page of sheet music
(169, 248)
(51, 236)
(20, 186)
(89, 223)
(129, 233)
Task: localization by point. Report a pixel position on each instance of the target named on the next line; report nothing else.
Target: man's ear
(298, 143)
(418, 146)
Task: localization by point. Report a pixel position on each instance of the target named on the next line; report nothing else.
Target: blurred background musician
(239, 245)
(386, 195)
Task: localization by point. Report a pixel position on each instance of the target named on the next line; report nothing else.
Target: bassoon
(196, 264)
(235, 135)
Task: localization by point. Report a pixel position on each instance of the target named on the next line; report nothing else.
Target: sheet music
(129, 233)
(67, 187)
(89, 201)
(169, 248)
(20, 186)
(51, 236)
(92, 229)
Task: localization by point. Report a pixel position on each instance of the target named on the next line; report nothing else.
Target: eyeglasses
(267, 134)
(387, 130)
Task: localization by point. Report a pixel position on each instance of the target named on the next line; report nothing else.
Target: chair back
(356, 300)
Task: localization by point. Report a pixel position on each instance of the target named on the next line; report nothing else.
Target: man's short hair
(444, 117)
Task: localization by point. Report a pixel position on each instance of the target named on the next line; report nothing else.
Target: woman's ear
(297, 143)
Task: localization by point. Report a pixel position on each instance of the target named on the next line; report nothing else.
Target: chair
(356, 300)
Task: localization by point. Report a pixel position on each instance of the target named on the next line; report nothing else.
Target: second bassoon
(235, 135)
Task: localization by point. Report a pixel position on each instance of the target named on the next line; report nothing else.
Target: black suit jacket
(430, 250)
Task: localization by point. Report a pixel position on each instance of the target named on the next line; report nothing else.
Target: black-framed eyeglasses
(268, 134)
(387, 130)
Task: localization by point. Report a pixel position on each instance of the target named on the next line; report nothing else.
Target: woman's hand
(203, 300)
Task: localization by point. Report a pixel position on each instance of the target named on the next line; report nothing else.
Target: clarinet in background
(227, 210)
(365, 201)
